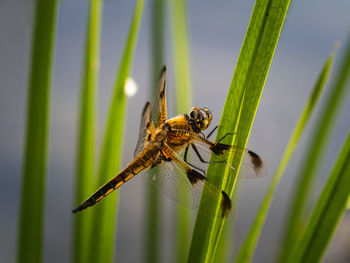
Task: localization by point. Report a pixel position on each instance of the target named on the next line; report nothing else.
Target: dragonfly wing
(144, 129)
(152, 115)
(172, 181)
(158, 111)
(252, 165)
(184, 184)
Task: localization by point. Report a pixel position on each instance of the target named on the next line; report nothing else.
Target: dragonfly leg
(201, 158)
(212, 131)
(229, 133)
(185, 155)
(185, 159)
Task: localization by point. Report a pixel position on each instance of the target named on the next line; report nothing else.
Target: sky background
(216, 32)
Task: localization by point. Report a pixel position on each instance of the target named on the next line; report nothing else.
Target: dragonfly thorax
(161, 133)
(200, 118)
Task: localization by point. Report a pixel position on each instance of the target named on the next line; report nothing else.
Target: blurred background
(216, 32)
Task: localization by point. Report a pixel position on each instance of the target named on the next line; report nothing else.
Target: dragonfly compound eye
(194, 113)
(200, 117)
(210, 116)
(204, 118)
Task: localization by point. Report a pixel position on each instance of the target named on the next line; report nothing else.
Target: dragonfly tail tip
(78, 209)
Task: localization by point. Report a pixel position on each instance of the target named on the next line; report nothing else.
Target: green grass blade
(238, 114)
(327, 213)
(86, 136)
(246, 252)
(181, 56)
(153, 211)
(104, 214)
(183, 103)
(224, 247)
(31, 223)
(314, 154)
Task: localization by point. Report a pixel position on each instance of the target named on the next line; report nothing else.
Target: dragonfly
(177, 152)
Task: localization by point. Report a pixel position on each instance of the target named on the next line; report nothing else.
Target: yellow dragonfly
(177, 151)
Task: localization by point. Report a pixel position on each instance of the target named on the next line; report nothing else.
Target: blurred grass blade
(153, 212)
(327, 213)
(246, 252)
(35, 160)
(183, 103)
(86, 136)
(238, 114)
(314, 154)
(104, 214)
(181, 56)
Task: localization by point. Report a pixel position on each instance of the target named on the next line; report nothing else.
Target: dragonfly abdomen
(105, 190)
(144, 160)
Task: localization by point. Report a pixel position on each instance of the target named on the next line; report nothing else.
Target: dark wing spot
(162, 81)
(145, 107)
(256, 160)
(162, 70)
(219, 148)
(226, 204)
(194, 176)
(161, 94)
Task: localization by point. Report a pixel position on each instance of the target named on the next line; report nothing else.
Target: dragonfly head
(200, 117)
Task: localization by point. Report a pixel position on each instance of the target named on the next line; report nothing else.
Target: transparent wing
(184, 184)
(144, 128)
(172, 181)
(158, 111)
(198, 156)
(155, 113)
